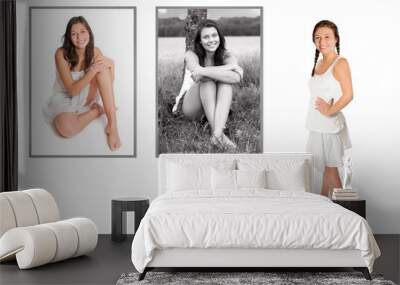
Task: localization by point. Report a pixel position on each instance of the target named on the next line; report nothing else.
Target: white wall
(368, 29)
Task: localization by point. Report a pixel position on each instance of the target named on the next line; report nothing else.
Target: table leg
(118, 222)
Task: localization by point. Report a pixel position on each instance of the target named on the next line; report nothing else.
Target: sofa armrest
(40, 244)
(32, 246)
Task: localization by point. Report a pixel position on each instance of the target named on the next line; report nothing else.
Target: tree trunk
(193, 19)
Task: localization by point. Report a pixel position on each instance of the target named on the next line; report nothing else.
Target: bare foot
(113, 139)
(98, 108)
(228, 143)
(223, 142)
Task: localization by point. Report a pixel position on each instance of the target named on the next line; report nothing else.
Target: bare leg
(191, 106)
(104, 83)
(224, 100)
(216, 105)
(92, 92)
(331, 180)
(325, 184)
(201, 96)
(70, 124)
(208, 97)
(335, 178)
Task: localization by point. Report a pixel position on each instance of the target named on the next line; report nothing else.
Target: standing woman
(214, 71)
(82, 70)
(331, 90)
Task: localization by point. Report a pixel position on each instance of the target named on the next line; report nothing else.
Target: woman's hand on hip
(323, 107)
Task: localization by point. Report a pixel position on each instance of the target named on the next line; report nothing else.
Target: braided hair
(334, 28)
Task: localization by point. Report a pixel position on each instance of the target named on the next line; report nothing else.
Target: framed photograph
(209, 79)
(82, 81)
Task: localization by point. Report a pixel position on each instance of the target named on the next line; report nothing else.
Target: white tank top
(327, 87)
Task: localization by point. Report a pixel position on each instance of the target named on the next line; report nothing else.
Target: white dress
(328, 136)
(61, 102)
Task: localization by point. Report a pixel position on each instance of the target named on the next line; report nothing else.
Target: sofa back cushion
(27, 208)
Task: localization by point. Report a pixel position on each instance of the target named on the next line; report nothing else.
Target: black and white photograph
(82, 78)
(209, 79)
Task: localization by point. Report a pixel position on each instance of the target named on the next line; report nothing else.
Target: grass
(177, 134)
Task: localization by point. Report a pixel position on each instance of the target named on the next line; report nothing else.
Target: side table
(119, 207)
(357, 206)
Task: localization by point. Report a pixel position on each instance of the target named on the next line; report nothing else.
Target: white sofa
(32, 233)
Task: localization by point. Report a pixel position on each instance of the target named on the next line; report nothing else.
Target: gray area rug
(243, 278)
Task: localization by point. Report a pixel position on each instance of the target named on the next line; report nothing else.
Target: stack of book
(344, 194)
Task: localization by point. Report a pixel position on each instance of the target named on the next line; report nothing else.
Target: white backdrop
(113, 31)
(368, 29)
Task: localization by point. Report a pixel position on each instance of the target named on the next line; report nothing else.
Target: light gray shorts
(327, 149)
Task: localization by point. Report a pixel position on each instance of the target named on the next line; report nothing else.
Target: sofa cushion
(45, 205)
(40, 244)
(7, 215)
(23, 208)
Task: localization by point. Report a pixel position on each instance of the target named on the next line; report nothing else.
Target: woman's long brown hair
(199, 49)
(70, 53)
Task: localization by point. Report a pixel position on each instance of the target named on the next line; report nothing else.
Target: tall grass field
(178, 134)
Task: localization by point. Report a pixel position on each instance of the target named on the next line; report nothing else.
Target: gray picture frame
(157, 127)
(134, 107)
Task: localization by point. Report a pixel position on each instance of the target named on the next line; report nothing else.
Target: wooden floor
(111, 259)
